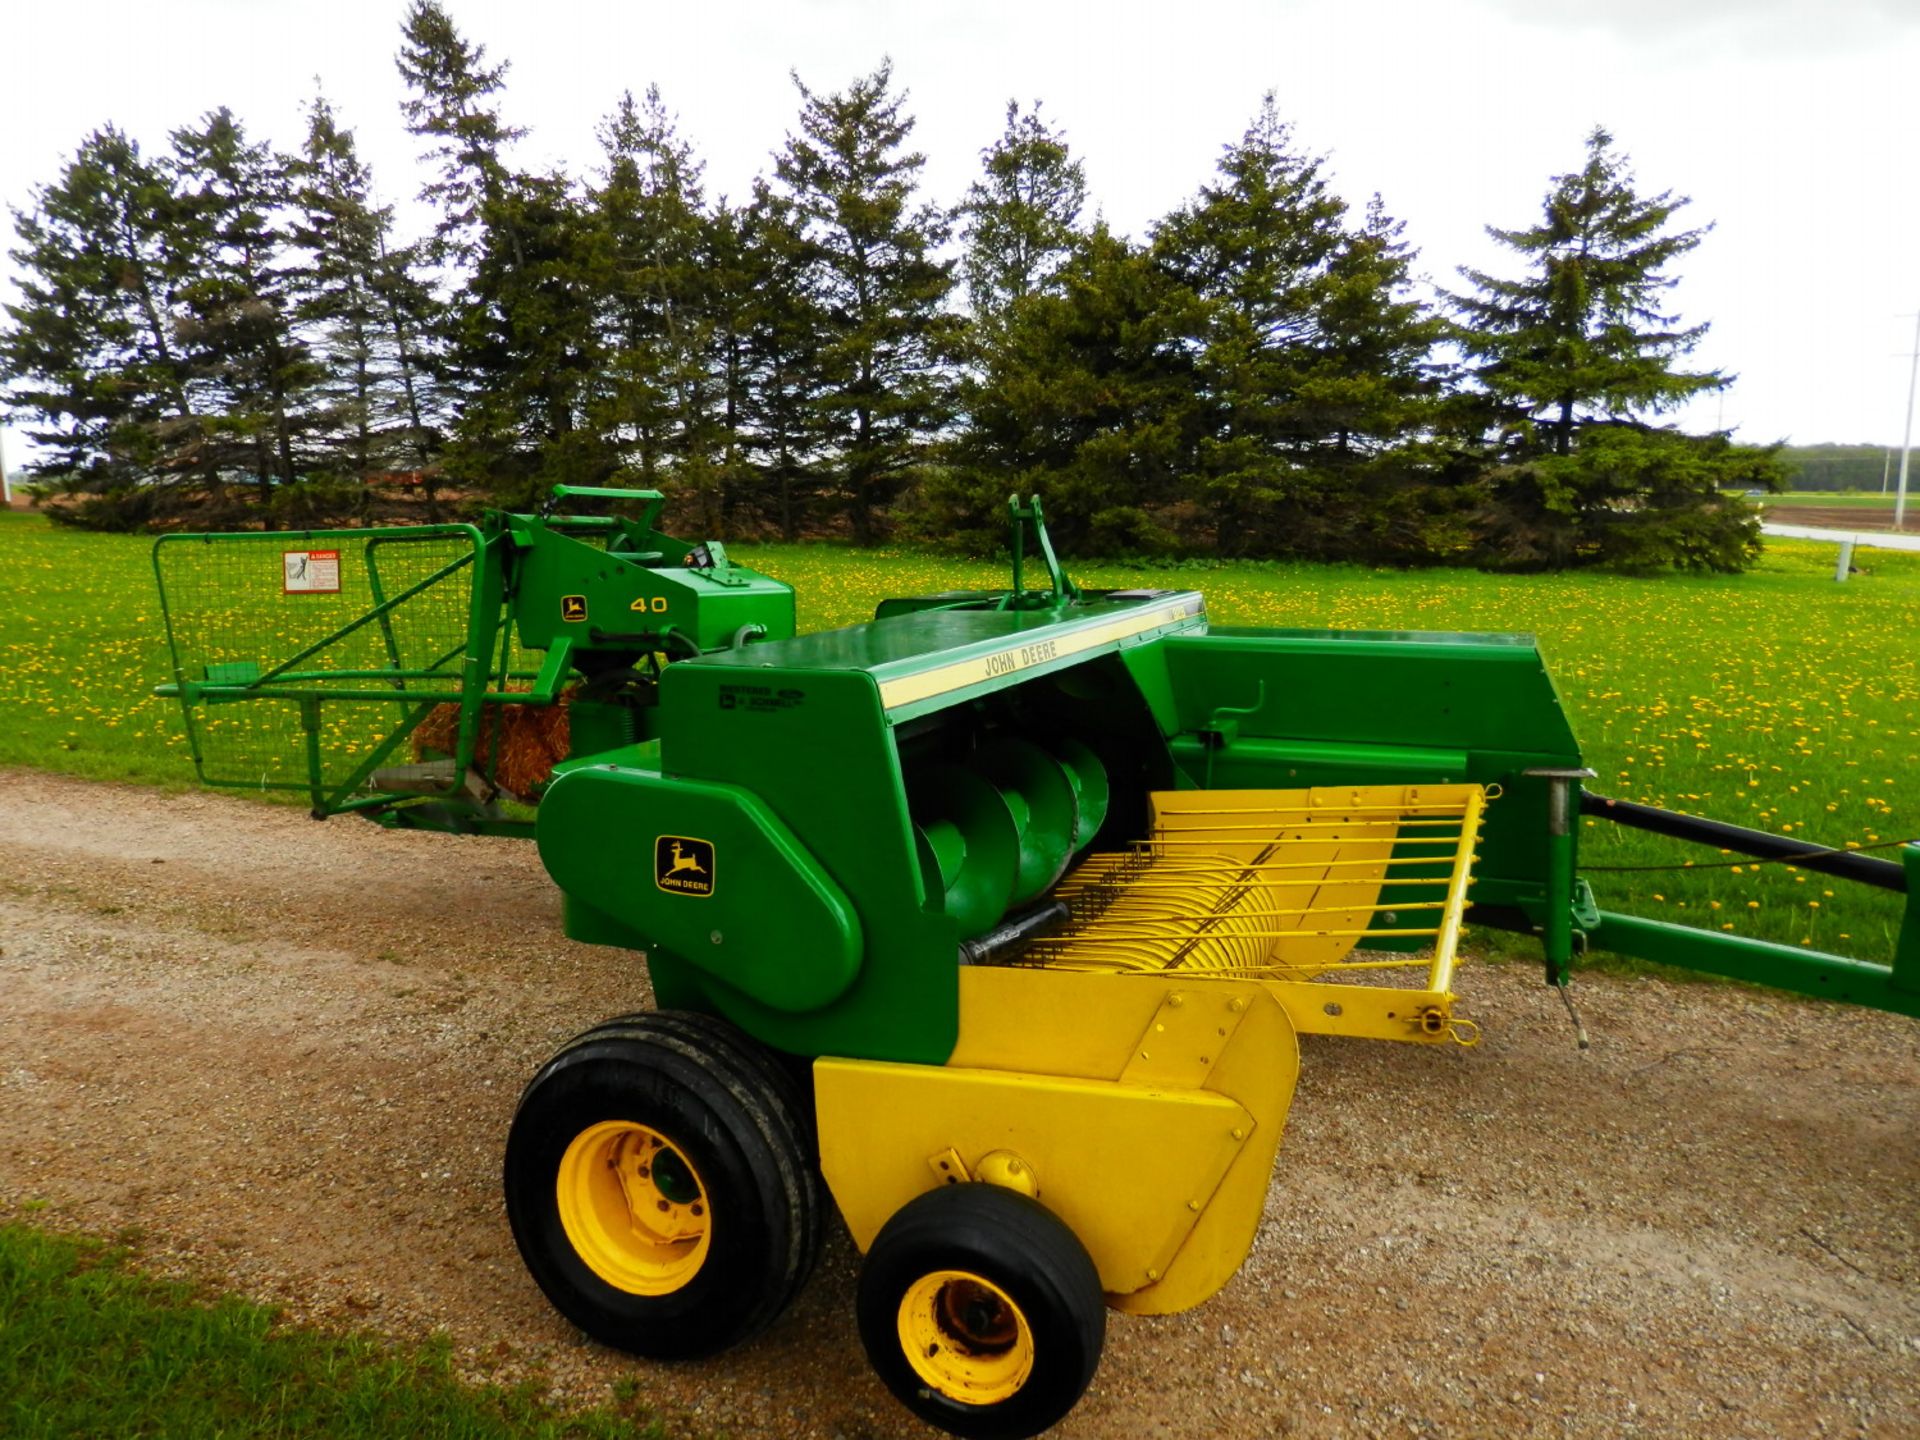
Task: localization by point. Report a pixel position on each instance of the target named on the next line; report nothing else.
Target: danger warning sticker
(310, 572)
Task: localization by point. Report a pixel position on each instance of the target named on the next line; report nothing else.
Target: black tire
(678, 1108)
(787, 1078)
(997, 1366)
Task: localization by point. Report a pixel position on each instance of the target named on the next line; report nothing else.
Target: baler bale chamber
(999, 914)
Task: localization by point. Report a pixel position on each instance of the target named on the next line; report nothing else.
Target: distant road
(1884, 539)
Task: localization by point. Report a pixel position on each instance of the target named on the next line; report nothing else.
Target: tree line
(219, 333)
(1840, 467)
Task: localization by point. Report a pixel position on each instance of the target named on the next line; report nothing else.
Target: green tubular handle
(650, 517)
(600, 492)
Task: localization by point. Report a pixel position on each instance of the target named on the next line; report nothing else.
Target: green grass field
(89, 1347)
(1777, 699)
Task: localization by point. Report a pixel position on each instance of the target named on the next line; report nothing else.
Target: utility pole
(1906, 443)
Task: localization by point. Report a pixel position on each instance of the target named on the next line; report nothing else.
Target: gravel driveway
(286, 1053)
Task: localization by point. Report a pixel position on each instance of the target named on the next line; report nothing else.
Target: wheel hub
(633, 1208)
(965, 1337)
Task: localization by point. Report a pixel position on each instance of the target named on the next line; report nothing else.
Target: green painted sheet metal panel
(814, 746)
(1331, 707)
(1453, 691)
(932, 659)
(1147, 665)
(706, 872)
(1283, 764)
(567, 587)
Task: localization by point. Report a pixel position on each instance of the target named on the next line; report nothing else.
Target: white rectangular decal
(310, 572)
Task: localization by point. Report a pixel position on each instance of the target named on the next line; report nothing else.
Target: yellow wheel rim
(965, 1337)
(634, 1208)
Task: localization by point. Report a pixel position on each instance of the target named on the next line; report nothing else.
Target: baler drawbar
(995, 918)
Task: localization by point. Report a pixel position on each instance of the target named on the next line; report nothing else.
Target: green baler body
(750, 815)
(821, 733)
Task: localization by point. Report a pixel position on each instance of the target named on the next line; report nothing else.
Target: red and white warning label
(310, 572)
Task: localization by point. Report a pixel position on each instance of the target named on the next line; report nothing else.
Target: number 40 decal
(658, 604)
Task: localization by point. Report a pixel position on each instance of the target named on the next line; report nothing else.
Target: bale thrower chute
(1001, 912)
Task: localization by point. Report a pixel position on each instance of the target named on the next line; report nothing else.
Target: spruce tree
(258, 379)
(519, 351)
(1311, 350)
(1583, 335)
(732, 271)
(527, 349)
(452, 106)
(1019, 220)
(782, 332)
(1372, 377)
(358, 294)
(1088, 394)
(89, 350)
(660, 392)
(1572, 361)
(877, 289)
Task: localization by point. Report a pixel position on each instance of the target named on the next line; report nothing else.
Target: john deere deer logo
(683, 865)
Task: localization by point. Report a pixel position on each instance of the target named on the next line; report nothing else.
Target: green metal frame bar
(650, 517)
(475, 684)
(503, 670)
(391, 640)
(1906, 950)
(288, 692)
(179, 686)
(1800, 969)
(1786, 967)
(484, 618)
(1062, 589)
(337, 801)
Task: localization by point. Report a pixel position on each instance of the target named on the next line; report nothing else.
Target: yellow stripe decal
(1042, 650)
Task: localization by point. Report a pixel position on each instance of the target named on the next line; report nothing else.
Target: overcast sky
(1789, 122)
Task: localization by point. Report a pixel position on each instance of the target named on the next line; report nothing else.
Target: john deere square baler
(1000, 913)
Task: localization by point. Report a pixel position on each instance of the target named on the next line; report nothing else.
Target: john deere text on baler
(1001, 912)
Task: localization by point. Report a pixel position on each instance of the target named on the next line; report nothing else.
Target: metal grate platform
(1315, 890)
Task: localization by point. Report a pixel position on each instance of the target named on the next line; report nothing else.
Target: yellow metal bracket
(1193, 1025)
(1145, 1116)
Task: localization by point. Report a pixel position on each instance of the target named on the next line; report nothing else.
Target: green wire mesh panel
(306, 617)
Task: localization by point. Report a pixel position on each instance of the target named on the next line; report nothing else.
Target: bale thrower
(1000, 914)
